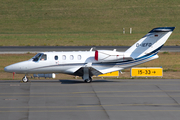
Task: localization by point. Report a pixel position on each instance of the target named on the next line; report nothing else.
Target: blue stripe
(156, 50)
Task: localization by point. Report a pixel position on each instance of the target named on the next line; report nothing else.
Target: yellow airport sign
(147, 72)
(111, 74)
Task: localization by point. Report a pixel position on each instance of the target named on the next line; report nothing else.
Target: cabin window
(64, 57)
(79, 57)
(56, 57)
(71, 57)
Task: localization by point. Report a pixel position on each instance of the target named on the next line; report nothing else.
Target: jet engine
(107, 55)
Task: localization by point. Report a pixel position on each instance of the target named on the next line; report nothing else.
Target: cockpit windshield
(39, 56)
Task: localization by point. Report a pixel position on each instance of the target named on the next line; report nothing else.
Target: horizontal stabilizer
(162, 29)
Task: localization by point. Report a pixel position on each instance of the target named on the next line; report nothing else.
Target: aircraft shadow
(64, 81)
(71, 81)
(81, 81)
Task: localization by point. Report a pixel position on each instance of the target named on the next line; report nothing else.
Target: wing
(92, 71)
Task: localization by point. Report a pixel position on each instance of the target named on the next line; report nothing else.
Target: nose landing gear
(25, 79)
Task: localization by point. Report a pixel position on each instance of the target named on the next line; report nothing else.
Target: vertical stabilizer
(151, 43)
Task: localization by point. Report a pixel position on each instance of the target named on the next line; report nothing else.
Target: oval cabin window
(56, 57)
(71, 57)
(64, 57)
(79, 57)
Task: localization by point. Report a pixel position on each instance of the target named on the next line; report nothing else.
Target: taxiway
(121, 99)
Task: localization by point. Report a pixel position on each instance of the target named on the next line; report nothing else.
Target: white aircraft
(92, 63)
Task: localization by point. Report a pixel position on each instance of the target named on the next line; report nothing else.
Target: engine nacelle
(107, 55)
(53, 75)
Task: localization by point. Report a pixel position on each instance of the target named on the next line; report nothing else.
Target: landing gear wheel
(25, 79)
(88, 80)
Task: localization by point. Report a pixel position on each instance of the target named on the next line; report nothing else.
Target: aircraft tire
(88, 80)
(25, 79)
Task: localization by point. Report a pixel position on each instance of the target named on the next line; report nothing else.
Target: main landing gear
(86, 75)
(25, 79)
(89, 80)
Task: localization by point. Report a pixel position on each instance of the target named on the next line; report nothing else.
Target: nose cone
(9, 68)
(20, 67)
(6, 69)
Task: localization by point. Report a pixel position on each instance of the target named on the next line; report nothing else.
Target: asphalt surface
(129, 99)
(36, 49)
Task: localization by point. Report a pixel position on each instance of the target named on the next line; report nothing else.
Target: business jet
(93, 63)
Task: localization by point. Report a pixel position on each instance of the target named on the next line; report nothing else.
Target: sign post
(147, 72)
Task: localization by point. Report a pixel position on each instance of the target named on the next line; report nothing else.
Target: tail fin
(151, 43)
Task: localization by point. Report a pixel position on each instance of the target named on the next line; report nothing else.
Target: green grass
(168, 61)
(84, 22)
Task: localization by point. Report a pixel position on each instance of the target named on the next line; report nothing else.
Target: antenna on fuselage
(91, 48)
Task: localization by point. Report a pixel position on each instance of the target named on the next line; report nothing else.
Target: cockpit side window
(39, 56)
(43, 57)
